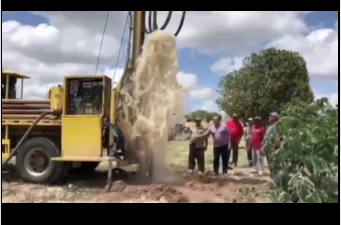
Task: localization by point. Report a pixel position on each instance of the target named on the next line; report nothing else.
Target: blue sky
(197, 62)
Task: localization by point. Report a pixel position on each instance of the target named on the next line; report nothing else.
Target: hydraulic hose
(28, 132)
(152, 24)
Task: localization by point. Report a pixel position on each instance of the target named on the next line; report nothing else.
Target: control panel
(84, 96)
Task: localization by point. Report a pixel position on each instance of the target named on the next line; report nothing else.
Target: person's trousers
(196, 156)
(223, 153)
(248, 151)
(235, 152)
(257, 160)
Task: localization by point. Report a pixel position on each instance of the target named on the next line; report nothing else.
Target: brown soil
(179, 189)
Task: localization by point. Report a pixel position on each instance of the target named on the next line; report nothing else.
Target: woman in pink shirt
(257, 136)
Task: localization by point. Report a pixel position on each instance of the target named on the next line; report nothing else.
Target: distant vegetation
(203, 114)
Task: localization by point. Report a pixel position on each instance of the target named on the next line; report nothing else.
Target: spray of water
(156, 99)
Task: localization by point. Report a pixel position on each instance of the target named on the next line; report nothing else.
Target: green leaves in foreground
(306, 164)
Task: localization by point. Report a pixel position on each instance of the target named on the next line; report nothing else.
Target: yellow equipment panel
(82, 136)
(5, 143)
(55, 95)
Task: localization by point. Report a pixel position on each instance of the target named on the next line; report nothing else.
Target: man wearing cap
(258, 133)
(271, 133)
(247, 136)
(221, 139)
(197, 147)
(237, 132)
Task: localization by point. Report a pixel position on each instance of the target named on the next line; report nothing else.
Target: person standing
(247, 136)
(258, 133)
(197, 148)
(221, 140)
(271, 133)
(237, 132)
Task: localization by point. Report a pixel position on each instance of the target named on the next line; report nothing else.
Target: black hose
(153, 26)
(28, 132)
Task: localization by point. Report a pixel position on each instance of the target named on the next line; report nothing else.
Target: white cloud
(233, 30)
(209, 105)
(69, 44)
(226, 65)
(49, 52)
(187, 80)
(202, 93)
(236, 31)
(319, 48)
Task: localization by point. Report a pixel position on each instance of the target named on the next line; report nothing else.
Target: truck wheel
(34, 162)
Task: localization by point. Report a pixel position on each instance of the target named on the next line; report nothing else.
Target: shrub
(305, 167)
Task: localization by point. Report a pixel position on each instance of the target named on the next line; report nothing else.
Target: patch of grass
(178, 155)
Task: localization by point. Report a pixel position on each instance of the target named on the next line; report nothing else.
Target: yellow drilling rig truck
(77, 125)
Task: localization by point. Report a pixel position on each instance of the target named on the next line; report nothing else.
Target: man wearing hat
(247, 136)
(197, 147)
(258, 133)
(237, 132)
(271, 132)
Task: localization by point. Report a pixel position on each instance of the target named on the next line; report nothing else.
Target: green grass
(178, 155)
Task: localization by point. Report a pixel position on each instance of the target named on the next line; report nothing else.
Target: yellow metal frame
(106, 85)
(7, 144)
(82, 134)
(7, 73)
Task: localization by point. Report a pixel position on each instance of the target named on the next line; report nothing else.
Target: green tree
(267, 81)
(202, 114)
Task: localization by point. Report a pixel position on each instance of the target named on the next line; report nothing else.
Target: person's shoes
(201, 173)
(231, 172)
(216, 174)
(253, 170)
(225, 174)
(190, 171)
(260, 173)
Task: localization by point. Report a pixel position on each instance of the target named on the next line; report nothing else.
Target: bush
(305, 167)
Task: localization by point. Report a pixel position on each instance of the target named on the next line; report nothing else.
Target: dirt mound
(164, 193)
(204, 184)
(20, 192)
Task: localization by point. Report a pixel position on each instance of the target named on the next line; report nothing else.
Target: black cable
(100, 47)
(27, 133)
(153, 26)
(119, 50)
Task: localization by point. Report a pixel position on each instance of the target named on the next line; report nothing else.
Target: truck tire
(34, 162)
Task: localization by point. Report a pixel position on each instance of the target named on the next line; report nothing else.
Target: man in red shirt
(257, 137)
(237, 132)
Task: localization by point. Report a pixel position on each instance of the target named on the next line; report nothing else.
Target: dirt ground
(180, 187)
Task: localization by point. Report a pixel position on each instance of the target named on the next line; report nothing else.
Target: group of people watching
(226, 139)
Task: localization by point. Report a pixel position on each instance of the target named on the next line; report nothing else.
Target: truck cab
(9, 84)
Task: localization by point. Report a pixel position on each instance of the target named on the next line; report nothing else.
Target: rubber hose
(152, 24)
